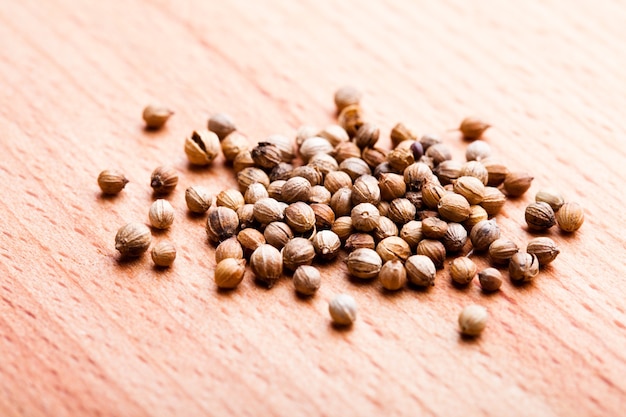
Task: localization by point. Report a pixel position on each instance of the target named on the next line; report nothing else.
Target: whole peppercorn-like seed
(386, 228)
(248, 176)
(477, 151)
(298, 251)
(300, 217)
(417, 174)
(400, 159)
(438, 153)
(374, 156)
(335, 134)
(431, 194)
(132, 239)
(364, 263)
(483, 234)
(163, 253)
(230, 198)
(472, 128)
(477, 214)
(401, 211)
(343, 227)
(266, 155)
(455, 238)
(359, 240)
(355, 167)
(570, 217)
(346, 150)
(365, 190)
(391, 186)
(229, 273)
(462, 270)
(433, 249)
(246, 216)
(401, 133)
(473, 320)
(282, 171)
(393, 248)
(544, 249)
(539, 216)
(198, 199)
(496, 171)
(111, 181)
(277, 234)
(383, 208)
(307, 280)
(156, 116)
(304, 132)
(312, 174)
(411, 232)
(448, 171)
(242, 160)
(420, 270)
(275, 189)
(164, 179)
(202, 147)
(351, 118)
(229, 248)
(284, 144)
(347, 96)
(454, 207)
(365, 217)
(490, 279)
(221, 124)
(319, 194)
(234, 144)
(417, 149)
(267, 264)
(429, 140)
(255, 192)
(341, 202)
(392, 275)
(493, 200)
(296, 189)
(268, 210)
(550, 196)
(366, 136)
(324, 216)
(342, 309)
(502, 250)
(221, 224)
(324, 163)
(523, 267)
(384, 168)
(434, 228)
(471, 188)
(517, 183)
(475, 169)
(425, 214)
(336, 180)
(250, 239)
(161, 214)
(313, 146)
(327, 244)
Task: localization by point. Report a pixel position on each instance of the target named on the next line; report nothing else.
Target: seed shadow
(342, 328)
(467, 339)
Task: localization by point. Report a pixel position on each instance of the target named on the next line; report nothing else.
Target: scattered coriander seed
(268, 210)
(229, 273)
(221, 124)
(282, 171)
(392, 275)
(313, 146)
(246, 216)
(551, 197)
(324, 216)
(266, 155)
(111, 181)
(300, 217)
(400, 159)
(366, 136)
(429, 140)
(233, 199)
(284, 144)
(455, 238)
(132, 239)
(434, 228)
(347, 96)
(431, 194)
(471, 188)
(462, 270)
(198, 199)
(343, 227)
(242, 160)
(346, 150)
(250, 239)
(364, 263)
(502, 250)
(164, 179)
(341, 202)
(454, 207)
(355, 167)
(401, 210)
(221, 224)
(365, 217)
(493, 201)
(477, 151)
(298, 251)
(248, 176)
(439, 153)
(401, 133)
(539, 216)
(319, 194)
(163, 253)
(448, 171)
(490, 279)
(420, 270)
(411, 232)
(570, 217)
(391, 186)
(483, 234)
(365, 190)
(310, 173)
(307, 280)
(156, 116)
(267, 264)
(255, 192)
(235, 144)
(359, 240)
(517, 183)
(342, 309)
(496, 171)
(202, 147)
(416, 174)
(473, 320)
(475, 169)
(324, 163)
(229, 248)
(296, 189)
(277, 234)
(477, 214)
(374, 156)
(161, 214)
(472, 128)
(386, 228)
(523, 267)
(434, 249)
(544, 248)
(335, 134)
(393, 248)
(327, 244)
(351, 118)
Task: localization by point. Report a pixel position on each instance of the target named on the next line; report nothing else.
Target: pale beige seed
(133, 239)
(365, 217)
(156, 116)
(161, 214)
(221, 124)
(411, 232)
(454, 207)
(255, 192)
(502, 250)
(544, 248)
(364, 263)
(198, 199)
(473, 320)
(111, 181)
(433, 249)
(267, 264)
(343, 227)
(296, 189)
(234, 145)
(570, 217)
(490, 279)
(327, 244)
(233, 199)
(250, 239)
(335, 134)
(307, 280)
(285, 145)
(477, 151)
(359, 240)
(420, 270)
(346, 96)
(550, 196)
(462, 270)
(471, 188)
(523, 267)
(313, 146)
(163, 253)
(229, 273)
(343, 309)
(392, 275)
(386, 228)
(268, 210)
(202, 147)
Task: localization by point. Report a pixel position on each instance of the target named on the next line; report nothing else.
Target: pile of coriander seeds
(399, 213)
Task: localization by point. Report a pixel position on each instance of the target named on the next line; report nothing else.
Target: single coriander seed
(365, 217)
(570, 217)
(433, 249)
(300, 217)
(278, 234)
(267, 264)
(342, 309)
(420, 270)
(544, 249)
(164, 179)
(539, 216)
(111, 181)
(473, 320)
(523, 267)
(392, 275)
(550, 196)
(393, 248)
(307, 280)
(298, 251)
(163, 253)
(156, 116)
(266, 155)
(133, 239)
(472, 128)
(502, 250)
(229, 248)
(454, 207)
(202, 147)
(346, 96)
(477, 151)
(221, 124)
(236, 149)
(221, 224)
(198, 199)
(462, 270)
(483, 234)
(517, 183)
(229, 273)
(364, 263)
(455, 238)
(490, 279)
(250, 239)
(359, 240)
(161, 214)
(327, 244)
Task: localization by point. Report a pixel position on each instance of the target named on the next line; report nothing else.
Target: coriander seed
(431, 194)
(550, 196)
(502, 250)
(523, 267)
(267, 264)
(327, 244)
(202, 147)
(355, 167)
(420, 270)
(448, 171)
(284, 144)
(517, 183)
(351, 118)
(477, 214)
(343, 227)
(477, 151)
(341, 202)
(229, 248)
(462, 270)
(163, 253)
(493, 201)
(570, 217)
(296, 189)
(393, 248)
(455, 238)
(342, 309)
(359, 240)
(366, 136)
(233, 199)
(433, 249)
(229, 273)
(282, 171)
(401, 211)
(266, 155)
(417, 174)
(429, 140)
(324, 216)
(364, 263)
(365, 190)
(401, 133)
(255, 192)
(324, 163)
(313, 146)
(250, 239)
(300, 217)
(164, 179)
(346, 150)
(391, 186)
(490, 279)
(246, 216)
(392, 275)
(454, 207)
(434, 228)
(161, 214)
(386, 228)
(319, 194)
(400, 159)
(336, 180)
(544, 249)
(411, 232)
(277, 234)
(221, 124)
(307, 280)
(111, 181)
(248, 176)
(472, 128)
(242, 160)
(539, 216)
(475, 169)
(198, 199)
(298, 251)
(335, 134)
(374, 157)
(365, 217)
(438, 153)
(471, 188)
(268, 210)
(234, 145)
(132, 239)
(275, 189)
(347, 96)
(483, 234)
(221, 224)
(156, 116)
(496, 171)
(473, 320)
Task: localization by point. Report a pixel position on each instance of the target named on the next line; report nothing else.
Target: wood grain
(84, 334)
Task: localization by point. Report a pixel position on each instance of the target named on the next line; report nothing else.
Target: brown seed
(341, 202)
(472, 128)
(300, 217)
(448, 171)
(392, 275)
(523, 267)
(570, 217)
(383, 208)
(250, 239)
(391, 186)
(307, 280)
(282, 171)
(221, 224)
(364, 263)
(202, 147)
(198, 199)
(374, 156)
(386, 228)
(268, 210)
(229, 248)
(438, 153)
(161, 214)
(312, 174)
(490, 279)
(401, 211)
(336, 180)
(347, 96)
(544, 249)
(477, 214)
(132, 239)
(454, 207)
(246, 216)
(355, 167)
(365, 217)
(431, 194)
(313, 146)
(351, 118)
(475, 169)
(462, 270)
(327, 244)
(473, 320)
(324, 216)
(156, 116)
(346, 150)
(493, 201)
(502, 250)
(319, 194)
(255, 192)
(517, 183)
(266, 155)
(417, 174)
(278, 234)
(235, 144)
(335, 134)
(483, 234)
(477, 151)
(230, 198)
(433, 249)
(367, 135)
(365, 190)
(400, 159)
(111, 181)
(400, 133)
(434, 228)
(298, 251)
(429, 140)
(393, 248)
(229, 273)
(248, 176)
(496, 171)
(221, 124)
(275, 189)
(420, 270)
(324, 163)
(471, 188)
(296, 189)
(550, 196)
(241, 161)
(343, 227)
(359, 240)
(539, 216)
(164, 179)
(267, 264)
(163, 253)
(411, 232)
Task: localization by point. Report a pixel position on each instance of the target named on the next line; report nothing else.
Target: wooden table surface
(84, 334)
